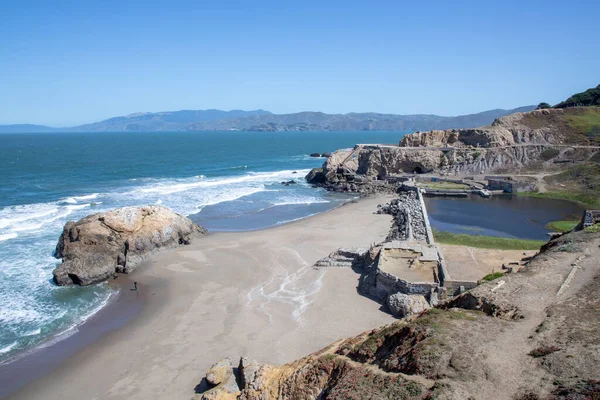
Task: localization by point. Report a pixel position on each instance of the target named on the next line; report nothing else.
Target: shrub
(543, 105)
(491, 277)
(543, 351)
(549, 154)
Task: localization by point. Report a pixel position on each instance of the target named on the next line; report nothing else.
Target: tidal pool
(510, 216)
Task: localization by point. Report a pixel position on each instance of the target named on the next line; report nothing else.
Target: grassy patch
(562, 226)
(586, 199)
(586, 122)
(486, 242)
(444, 185)
(491, 277)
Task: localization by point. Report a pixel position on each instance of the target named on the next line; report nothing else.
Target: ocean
(225, 181)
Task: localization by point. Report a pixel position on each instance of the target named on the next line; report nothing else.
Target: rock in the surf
(99, 245)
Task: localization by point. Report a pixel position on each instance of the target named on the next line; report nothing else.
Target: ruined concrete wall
(453, 287)
(428, 231)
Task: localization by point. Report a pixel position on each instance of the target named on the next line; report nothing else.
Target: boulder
(316, 176)
(219, 372)
(315, 155)
(402, 305)
(288, 183)
(222, 381)
(99, 245)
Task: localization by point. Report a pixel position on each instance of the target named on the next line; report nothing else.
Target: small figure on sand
(135, 286)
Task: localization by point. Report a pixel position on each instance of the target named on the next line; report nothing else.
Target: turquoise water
(223, 180)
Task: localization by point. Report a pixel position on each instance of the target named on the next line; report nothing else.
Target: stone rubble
(409, 223)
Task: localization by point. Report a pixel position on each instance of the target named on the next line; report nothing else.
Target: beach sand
(227, 295)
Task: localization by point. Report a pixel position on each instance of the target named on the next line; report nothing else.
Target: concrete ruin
(407, 262)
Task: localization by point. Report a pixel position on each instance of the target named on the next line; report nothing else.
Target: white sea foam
(294, 288)
(31, 305)
(87, 197)
(252, 177)
(76, 199)
(7, 236)
(283, 201)
(8, 348)
(295, 219)
(33, 332)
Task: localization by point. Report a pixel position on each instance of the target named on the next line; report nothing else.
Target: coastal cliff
(542, 139)
(529, 335)
(100, 245)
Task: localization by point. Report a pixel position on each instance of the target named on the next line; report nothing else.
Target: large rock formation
(95, 247)
(516, 142)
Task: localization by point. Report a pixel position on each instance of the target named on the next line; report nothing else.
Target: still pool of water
(510, 216)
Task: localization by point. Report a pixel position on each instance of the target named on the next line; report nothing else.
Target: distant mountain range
(265, 121)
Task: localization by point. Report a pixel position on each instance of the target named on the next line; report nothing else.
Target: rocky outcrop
(320, 155)
(221, 380)
(516, 142)
(97, 246)
(539, 126)
(316, 176)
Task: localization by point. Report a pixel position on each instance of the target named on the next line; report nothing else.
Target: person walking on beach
(135, 286)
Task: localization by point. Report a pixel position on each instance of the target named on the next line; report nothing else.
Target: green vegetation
(581, 198)
(486, 242)
(582, 185)
(549, 154)
(562, 226)
(543, 105)
(590, 97)
(586, 122)
(593, 229)
(596, 157)
(491, 277)
(568, 246)
(444, 185)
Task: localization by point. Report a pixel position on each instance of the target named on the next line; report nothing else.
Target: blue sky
(70, 62)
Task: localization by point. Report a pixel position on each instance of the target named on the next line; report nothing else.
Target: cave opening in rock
(75, 279)
(418, 170)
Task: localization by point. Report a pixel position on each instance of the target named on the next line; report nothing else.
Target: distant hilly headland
(265, 121)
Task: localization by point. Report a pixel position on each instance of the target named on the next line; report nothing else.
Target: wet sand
(227, 295)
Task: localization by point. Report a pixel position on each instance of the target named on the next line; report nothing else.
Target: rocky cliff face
(540, 126)
(534, 334)
(97, 246)
(512, 143)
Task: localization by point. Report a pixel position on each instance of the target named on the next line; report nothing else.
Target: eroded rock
(402, 305)
(99, 245)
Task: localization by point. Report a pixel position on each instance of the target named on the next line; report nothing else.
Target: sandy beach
(226, 295)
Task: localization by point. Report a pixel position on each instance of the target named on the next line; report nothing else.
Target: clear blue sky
(71, 62)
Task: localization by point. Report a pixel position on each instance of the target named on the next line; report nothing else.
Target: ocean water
(226, 181)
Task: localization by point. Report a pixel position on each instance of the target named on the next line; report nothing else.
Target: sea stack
(100, 245)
